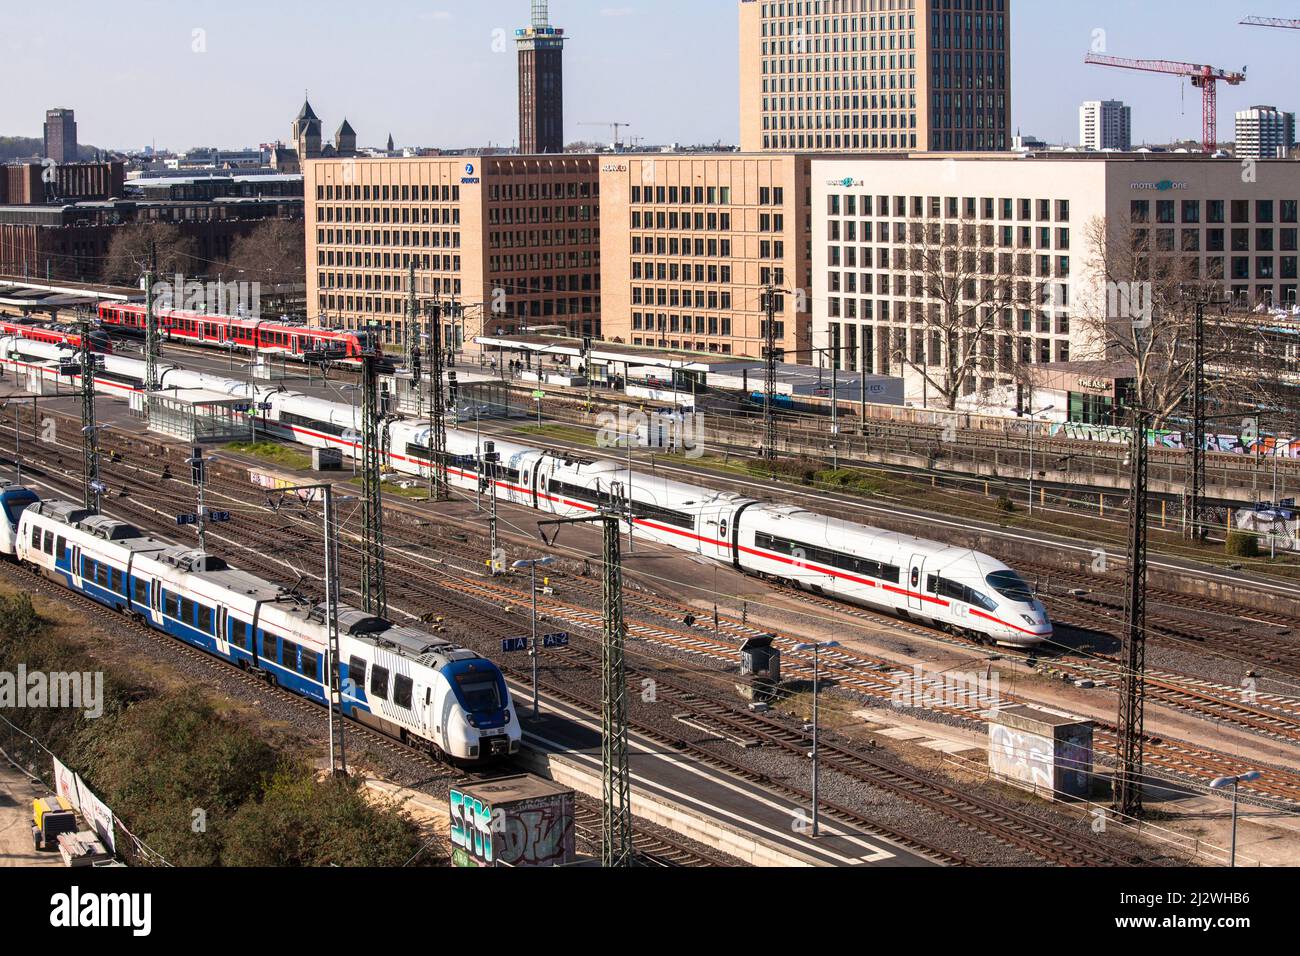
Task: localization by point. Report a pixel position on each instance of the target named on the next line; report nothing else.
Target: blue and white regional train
(422, 689)
(956, 589)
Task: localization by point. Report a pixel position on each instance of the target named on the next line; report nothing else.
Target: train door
(916, 582)
(545, 471)
(222, 635)
(155, 601)
(76, 565)
(714, 532)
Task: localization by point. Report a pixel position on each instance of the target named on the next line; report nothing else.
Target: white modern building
(1037, 219)
(1106, 124)
(1264, 132)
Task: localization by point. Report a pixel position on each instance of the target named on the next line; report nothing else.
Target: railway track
(653, 847)
(865, 674)
(431, 600)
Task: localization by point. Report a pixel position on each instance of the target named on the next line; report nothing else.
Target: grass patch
(199, 781)
(579, 436)
(272, 453)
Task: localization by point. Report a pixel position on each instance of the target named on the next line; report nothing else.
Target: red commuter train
(54, 335)
(225, 331)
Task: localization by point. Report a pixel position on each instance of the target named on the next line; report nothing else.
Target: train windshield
(479, 691)
(16, 502)
(1011, 585)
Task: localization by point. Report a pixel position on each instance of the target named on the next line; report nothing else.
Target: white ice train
(954, 588)
(420, 688)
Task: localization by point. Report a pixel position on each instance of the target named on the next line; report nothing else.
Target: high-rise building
(514, 239)
(1264, 132)
(61, 136)
(875, 75)
(1105, 124)
(541, 84)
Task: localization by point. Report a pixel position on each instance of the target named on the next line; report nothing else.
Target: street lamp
(1032, 423)
(816, 649)
(1223, 783)
(532, 564)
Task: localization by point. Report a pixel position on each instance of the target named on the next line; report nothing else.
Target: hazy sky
(434, 72)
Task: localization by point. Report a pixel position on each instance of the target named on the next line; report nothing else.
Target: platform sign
(556, 640)
(219, 517)
(264, 406)
(512, 645)
(539, 394)
(187, 519)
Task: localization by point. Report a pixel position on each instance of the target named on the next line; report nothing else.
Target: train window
(104, 576)
(289, 654)
(357, 673)
(916, 577)
(187, 610)
(379, 682)
(60, 546)
(119, 581)
(402, 688)
(310, 663)
(479, 690)
(49, 542)
(960, 592)
(139, 591)
(268, 648)
(205, 619)
(36, 538)
(239, 634)
(1010, 585)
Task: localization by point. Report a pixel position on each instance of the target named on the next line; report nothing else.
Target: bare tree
(274, 254)
(965, 293)
(129, 253)
(1140, 309)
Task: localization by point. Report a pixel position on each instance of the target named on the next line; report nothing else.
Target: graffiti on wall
(1022, 757)
(530, 832)
(471, 830)
(1266, 446)
(536, 833)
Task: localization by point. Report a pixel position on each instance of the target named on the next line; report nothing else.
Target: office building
(515, 240)
(1034, 219)
(875, 75)
(61, 136)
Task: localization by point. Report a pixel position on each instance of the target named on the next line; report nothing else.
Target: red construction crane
(1271, 22)
(1206, 78)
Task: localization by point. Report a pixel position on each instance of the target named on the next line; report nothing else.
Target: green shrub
(302, 821)
(1242, 544)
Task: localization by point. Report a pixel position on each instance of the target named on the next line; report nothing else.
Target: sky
(229, 73)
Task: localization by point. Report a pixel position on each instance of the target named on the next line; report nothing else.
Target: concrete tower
(541, 84)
